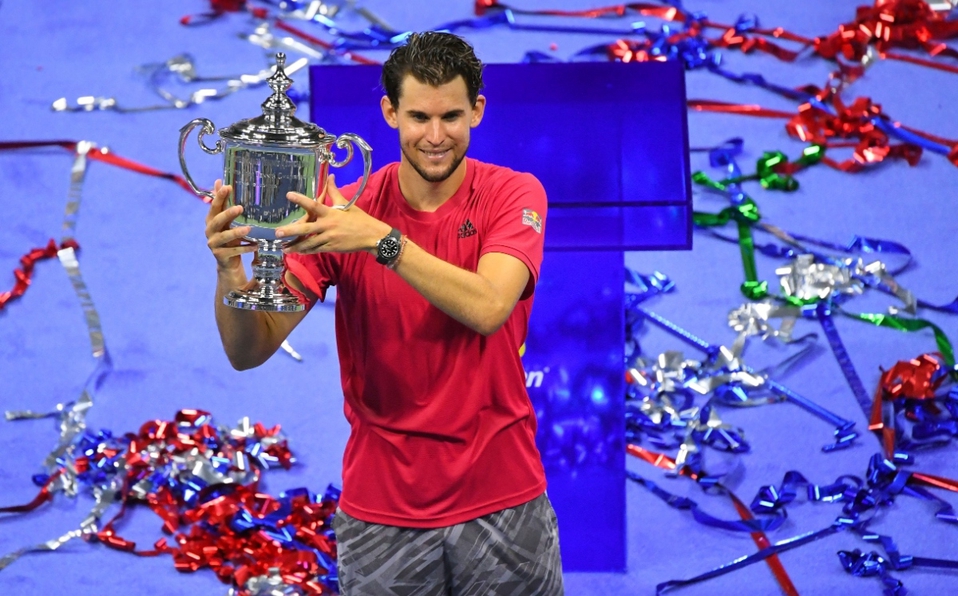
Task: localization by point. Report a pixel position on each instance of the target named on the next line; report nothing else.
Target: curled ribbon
(758, 536)
(844, 429)
(24, 274)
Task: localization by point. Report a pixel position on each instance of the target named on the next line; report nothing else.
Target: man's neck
(423, 195)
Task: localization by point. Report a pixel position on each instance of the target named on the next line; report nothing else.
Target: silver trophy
(265, 158)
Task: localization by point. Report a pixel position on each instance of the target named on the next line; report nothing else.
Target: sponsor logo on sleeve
(532, 219)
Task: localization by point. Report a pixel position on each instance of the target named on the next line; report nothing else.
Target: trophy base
(251, 300)
(266, 291)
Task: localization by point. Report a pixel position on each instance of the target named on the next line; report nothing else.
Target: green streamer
(745, 215)
(902, 324)
(770, 160)
(766, 172)
(703, 179)
(769, 178)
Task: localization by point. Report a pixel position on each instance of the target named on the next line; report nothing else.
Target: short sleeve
(516, 224)
(316, 272)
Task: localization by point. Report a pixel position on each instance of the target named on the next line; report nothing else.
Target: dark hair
(434, 58)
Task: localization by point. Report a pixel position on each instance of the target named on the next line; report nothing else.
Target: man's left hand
(327, 228)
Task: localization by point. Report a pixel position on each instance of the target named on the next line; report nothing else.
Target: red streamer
(746, 43)
(236, 556)
(24, 273)
(211, 540)
(934, 481)
(665, 462)
(705, 105)
(851, 121)
(920, 61)
(102, 155)
(886, 25)
(218, 9)
(321, 43)
(890, 24)
(42, 497)
(667, 13)
(908, 379)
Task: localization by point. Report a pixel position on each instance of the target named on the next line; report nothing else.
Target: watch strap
(387, 249)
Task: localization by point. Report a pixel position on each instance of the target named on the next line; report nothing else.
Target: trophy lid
(277, 125)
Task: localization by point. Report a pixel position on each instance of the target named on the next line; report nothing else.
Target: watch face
(388, 248)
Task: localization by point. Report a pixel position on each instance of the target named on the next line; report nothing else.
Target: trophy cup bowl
(264, 158)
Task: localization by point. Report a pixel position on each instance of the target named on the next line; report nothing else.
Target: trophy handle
(208, 128)
(346, 141)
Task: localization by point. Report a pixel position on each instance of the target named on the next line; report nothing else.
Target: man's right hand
(224, 242)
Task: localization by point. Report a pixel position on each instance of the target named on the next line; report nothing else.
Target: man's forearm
(468, 297)
(249, 337)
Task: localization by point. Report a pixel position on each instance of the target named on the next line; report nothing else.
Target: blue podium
(609, 142)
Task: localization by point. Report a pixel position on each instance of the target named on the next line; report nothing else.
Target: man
(435, 267)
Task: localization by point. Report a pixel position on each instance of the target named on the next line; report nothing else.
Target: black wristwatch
(387, 249)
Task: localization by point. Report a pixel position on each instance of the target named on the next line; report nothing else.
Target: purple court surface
(150, 279)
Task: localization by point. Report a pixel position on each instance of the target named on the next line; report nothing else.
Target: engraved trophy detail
(265, 158)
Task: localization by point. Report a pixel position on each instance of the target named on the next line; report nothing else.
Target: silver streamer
(753, 318)
(183, 68)
(267, 585)
(671, 372)
(48, 546)
(73, 415)
(310, 11)
(875, 274)
(808, 280)
(288, 348)
(324, 12)
(263, 37)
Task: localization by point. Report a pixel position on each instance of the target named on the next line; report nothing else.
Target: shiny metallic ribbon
(264, 37)
(807, 281)
(267, 585)
(663, 461)
(872, 134)
(873, 273)
(314, 10)
(754, 318)
(844, 429)
(683, 503)
(911, 389)
(23, 275)
(182, 67)
(667, 411)
(743, 211)
(861, 499)
(872, 564)
(72, 415)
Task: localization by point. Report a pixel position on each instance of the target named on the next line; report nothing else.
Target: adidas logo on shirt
(467, 229)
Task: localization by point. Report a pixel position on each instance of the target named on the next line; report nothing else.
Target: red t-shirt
(442, 429)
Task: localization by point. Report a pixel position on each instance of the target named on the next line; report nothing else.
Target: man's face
(433, 125)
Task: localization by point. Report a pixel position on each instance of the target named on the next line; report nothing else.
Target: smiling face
(434, 125)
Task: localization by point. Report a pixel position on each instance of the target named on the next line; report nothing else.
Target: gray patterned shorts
(513, 552)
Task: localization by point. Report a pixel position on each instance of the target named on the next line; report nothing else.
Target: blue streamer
(377, 37)
(871, 564)
(824, 315)
(844, 431)
(777, 548)
(883, 481)
(648, 285)
(686, 504)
